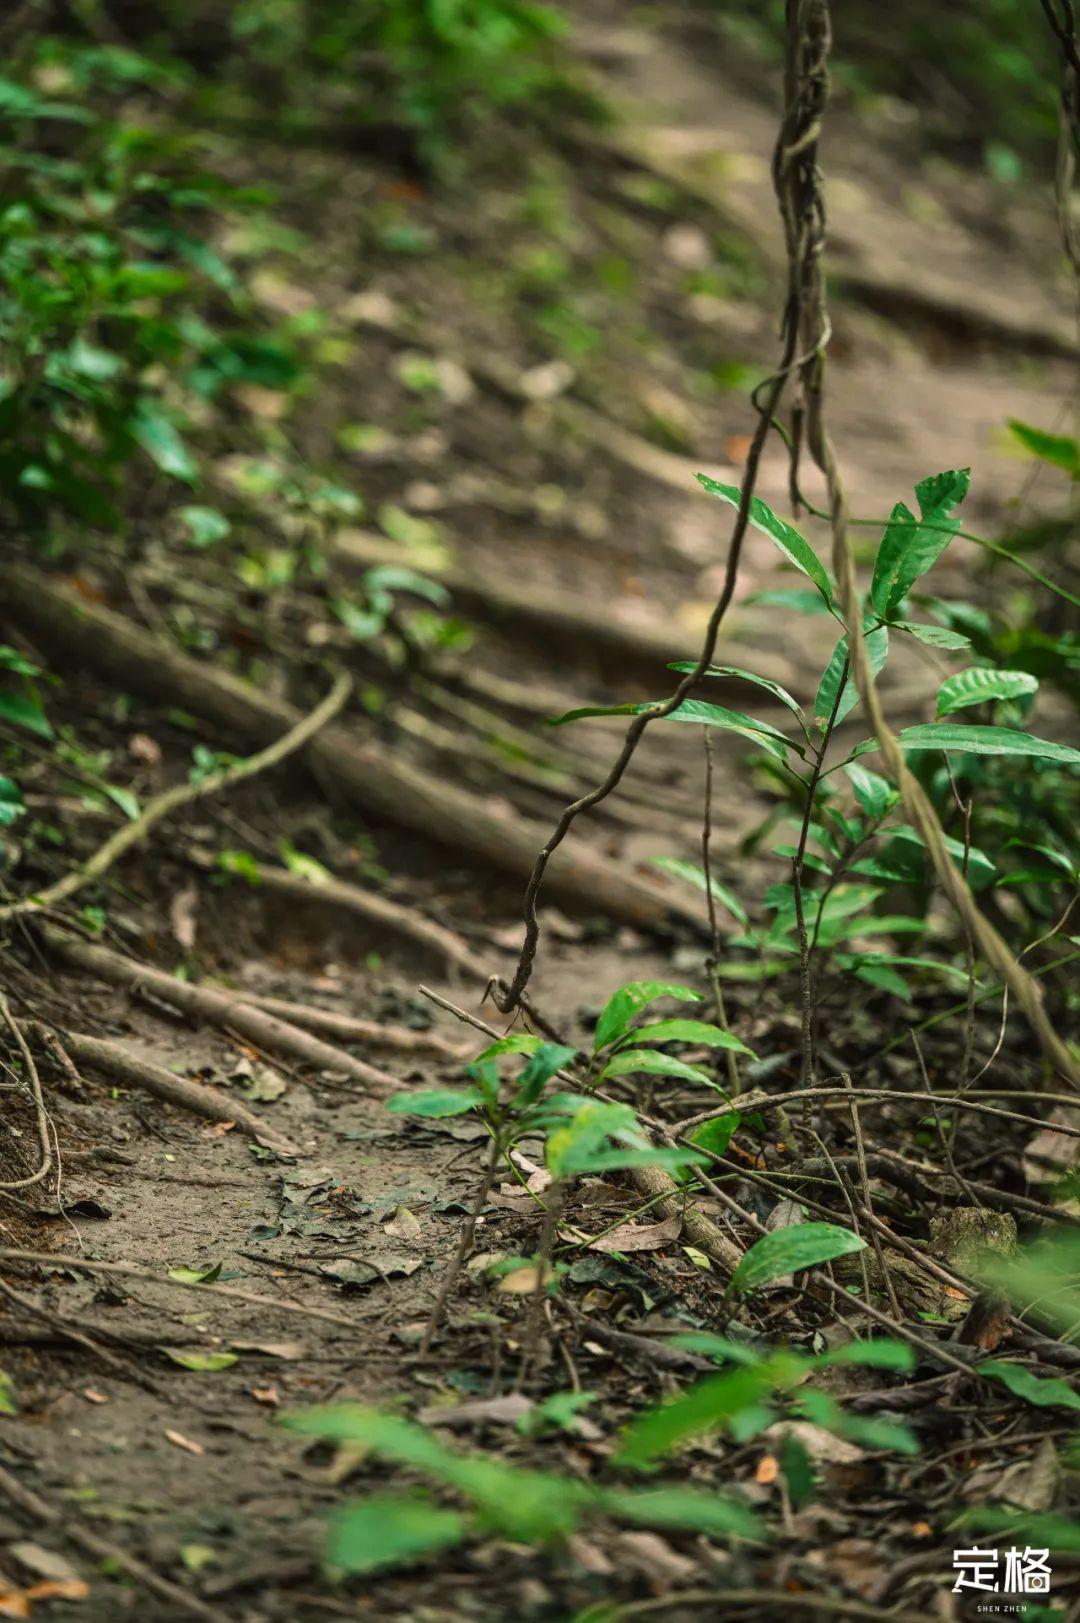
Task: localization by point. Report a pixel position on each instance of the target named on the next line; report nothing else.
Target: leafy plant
(848, 863)
(742, 1400)
(504, 1500)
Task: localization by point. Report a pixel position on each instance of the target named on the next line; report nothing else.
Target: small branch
(127, 1270)
(45, 1165)
(181, 795)
(226, 1010)
(464, 1245)
(116, 1061)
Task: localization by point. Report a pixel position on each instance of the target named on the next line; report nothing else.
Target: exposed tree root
(175, 799)
(362, 772)
(115, 1061)
(225, 1010)
(347, 1029)
(373, 908)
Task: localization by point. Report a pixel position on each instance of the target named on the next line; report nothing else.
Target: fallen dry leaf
(178, 1440)
(404, 1225)
(17, 1602)
(94, 1397)
(504, 1411)
(269, 1395)
(767, 1471)
(639, 1236)
(524, 1281)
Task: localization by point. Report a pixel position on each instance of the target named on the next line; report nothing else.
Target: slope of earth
(525, 368)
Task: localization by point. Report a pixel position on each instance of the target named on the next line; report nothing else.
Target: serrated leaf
(910, 546)
(788, 1250)
(691, 1031)
(436, 1102)
(796, 549)
(985, 741)
(980, 684)
(624, 1004)
(694, 875)
(877, 647)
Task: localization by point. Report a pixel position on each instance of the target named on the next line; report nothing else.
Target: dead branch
(114, 1060)
(45, 1164)
(181, 795)
(363, 773)
(369, 905)
(225, 1010)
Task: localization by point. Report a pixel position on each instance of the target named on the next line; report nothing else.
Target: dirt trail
(187, 1470)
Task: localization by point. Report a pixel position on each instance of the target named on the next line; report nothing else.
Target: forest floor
(533, 367)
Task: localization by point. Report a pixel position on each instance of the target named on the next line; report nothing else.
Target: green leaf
(883, 978)
(699, 712)
(786, 1251)
(538, 1071)
(205, 525)
(203, 1361)
(706, 1407)
(743, 676)
(979, 684)
(630, 1061)
(156, 432)
(519, 1042)
(884, 1353)
(197, 1276)
(877, 647)
(9, 1402)
(24, 710)
(985, 741)
(716, 1135)
(1060, 450)
(1043, 1393)
(12, 806)
(694, 875)
(932, 636)
(799, 599)
(623, 1005)
(435, 1102)
(391, 1530)
(691, 1031)
(795, 548)
(874, 793)
(910, 546)
(681, 1508)
(304, 866)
